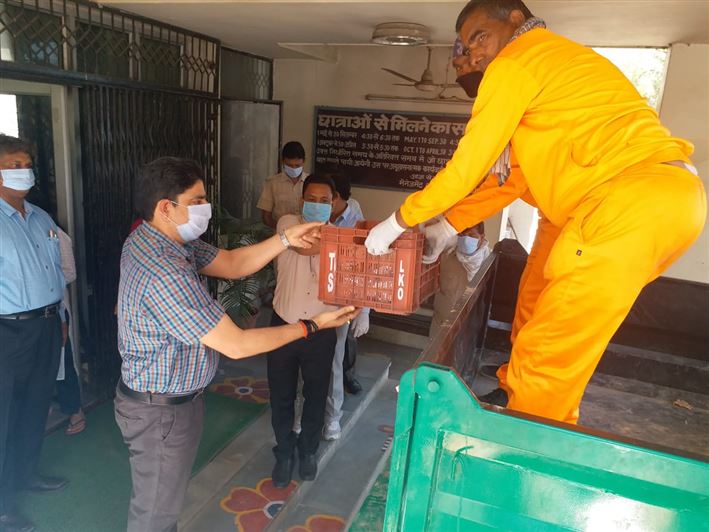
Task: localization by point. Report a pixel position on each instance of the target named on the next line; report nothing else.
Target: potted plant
(242, 298)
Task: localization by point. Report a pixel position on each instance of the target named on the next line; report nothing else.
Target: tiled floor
(234, 492)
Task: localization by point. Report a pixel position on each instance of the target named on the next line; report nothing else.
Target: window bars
(245, 76)
(80, 36)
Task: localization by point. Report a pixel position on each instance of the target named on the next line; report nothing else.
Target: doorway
(250, 152)
(37, 112)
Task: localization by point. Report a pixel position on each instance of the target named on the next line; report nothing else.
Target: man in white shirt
(296, 298)
(282, 192)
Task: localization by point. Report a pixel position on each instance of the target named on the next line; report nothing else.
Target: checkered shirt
(163, 311)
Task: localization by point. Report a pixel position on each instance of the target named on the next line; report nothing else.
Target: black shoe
(352, 385)
(41, 483)
(282, 472)
(15, 522)
(308, 467)
(496, 397)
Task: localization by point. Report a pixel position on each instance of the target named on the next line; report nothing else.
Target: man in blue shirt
(31, 288)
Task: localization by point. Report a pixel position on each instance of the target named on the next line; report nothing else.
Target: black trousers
(311, 356)
(29, 360)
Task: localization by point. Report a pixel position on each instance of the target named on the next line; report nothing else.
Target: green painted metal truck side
(457, 466)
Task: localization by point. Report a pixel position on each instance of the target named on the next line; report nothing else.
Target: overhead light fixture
(401, 34)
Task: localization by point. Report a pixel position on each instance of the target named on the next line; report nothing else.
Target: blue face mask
(292, 172)
(467, 245)
(316, 212)
(18, 178)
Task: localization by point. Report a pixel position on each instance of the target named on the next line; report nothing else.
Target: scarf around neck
(502, 166)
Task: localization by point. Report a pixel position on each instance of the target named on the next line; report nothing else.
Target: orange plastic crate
(396, 283)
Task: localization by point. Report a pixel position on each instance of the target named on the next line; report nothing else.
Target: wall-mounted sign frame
(394, 150)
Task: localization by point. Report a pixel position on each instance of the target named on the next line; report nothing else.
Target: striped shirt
(163, 311)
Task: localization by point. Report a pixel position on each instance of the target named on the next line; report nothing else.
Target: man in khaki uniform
(282, 192)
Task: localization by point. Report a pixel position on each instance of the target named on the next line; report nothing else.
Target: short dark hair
(496, 9)
(164, 178)
(320, 179)
(293, 150)
(342, 182)
(9, 144)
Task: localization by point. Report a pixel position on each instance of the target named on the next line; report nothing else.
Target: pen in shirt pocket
(53, 234)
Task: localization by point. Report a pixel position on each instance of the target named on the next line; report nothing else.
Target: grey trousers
(163, 442)
(333, 408)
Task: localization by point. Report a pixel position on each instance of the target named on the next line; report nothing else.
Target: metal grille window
(245, 76)
(102, 51)
(32, 37)
(79, 36)
(160, 62)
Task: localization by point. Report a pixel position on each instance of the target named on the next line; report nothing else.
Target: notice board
(382, 149)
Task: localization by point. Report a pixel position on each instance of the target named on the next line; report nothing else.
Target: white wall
(524, 220)
(685, 111)
(303, 84)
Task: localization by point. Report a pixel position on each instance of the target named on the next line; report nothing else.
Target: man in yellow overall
(600, 167)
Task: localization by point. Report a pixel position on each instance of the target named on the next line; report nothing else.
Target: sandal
(77, 426)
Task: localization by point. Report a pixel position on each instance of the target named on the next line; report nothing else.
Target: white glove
(472, 263)
(439, 237)
(360, 325)
(382, 235)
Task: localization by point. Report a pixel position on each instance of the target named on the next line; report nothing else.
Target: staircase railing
(460, 340)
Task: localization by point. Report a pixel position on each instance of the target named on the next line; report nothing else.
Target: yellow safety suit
(485, 201)
(592, 153)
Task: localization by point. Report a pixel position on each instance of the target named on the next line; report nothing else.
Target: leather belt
(157, 398)
(43, 312)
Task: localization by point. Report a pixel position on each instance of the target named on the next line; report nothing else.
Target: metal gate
(34, 115)
(122, 129)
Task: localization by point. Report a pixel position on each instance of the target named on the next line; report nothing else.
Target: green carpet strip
(96, 464)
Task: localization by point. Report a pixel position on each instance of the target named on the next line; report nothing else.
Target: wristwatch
(284, 239)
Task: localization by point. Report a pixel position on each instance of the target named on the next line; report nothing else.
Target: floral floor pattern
(243, 388)
(320, 523)
(254, 508)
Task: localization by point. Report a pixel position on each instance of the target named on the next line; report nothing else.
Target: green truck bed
(459, 466)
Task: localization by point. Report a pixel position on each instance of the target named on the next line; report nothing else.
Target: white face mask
(292, 172)
(197, 221)
(18, 178)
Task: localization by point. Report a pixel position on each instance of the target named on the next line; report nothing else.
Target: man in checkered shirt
(170, 332)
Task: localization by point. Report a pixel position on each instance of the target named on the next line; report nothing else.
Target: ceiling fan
(426, 82)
